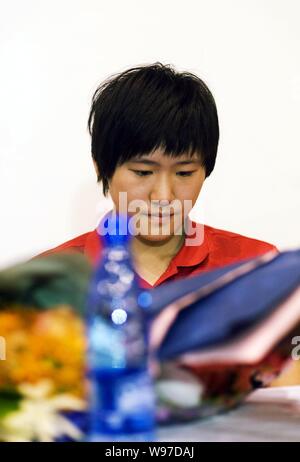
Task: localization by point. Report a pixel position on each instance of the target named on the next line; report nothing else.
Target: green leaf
(9, 402)
(46, 281)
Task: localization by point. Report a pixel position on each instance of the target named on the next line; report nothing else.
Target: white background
(53, 55)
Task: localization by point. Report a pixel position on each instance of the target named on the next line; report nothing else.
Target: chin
(154, 238)
(160, 235)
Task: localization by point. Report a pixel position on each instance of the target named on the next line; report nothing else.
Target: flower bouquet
(42, 378)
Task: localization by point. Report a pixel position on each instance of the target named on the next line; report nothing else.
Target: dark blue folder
(230, 306)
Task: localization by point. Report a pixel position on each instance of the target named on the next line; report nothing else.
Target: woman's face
(159, 191)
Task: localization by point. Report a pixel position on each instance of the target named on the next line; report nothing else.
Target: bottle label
(134, 393)
(122, 402)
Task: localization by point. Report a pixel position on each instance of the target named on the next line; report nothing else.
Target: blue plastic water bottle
(122, 403)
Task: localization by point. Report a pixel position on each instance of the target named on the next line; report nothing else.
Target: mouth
(160, 215)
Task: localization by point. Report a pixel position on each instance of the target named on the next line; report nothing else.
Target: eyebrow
(152, 162)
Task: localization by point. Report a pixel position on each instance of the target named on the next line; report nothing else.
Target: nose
(162, 191)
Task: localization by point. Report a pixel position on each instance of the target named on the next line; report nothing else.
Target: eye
(185, 173)
(142, 172)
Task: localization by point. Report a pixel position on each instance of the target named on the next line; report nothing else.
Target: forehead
(158, 157)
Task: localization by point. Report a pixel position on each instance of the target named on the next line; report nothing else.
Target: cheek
(196, 187)
(138, 190)
(189, 190)
(124, 181)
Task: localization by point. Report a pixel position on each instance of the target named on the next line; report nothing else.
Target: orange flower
(48, 345)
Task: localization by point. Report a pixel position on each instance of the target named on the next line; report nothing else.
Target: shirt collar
(194, 250)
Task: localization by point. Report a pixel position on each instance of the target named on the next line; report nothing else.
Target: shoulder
(76, 244)
(229, 246)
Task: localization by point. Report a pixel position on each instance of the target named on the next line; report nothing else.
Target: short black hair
(150, 107)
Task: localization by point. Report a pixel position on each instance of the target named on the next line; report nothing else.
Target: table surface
(267, 415)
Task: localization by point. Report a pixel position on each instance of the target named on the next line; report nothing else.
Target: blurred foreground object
(41, 304)
(266, 415)
(121, 394)
(215, 336)
(44, 282)
(38, 417)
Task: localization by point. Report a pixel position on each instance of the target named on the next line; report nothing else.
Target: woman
(154, 139)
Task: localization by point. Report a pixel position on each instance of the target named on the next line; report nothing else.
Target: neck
(162, 251)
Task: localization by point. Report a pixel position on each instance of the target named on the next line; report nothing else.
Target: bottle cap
(113, 229)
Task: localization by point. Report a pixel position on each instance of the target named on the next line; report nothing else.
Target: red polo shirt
(218, 248)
